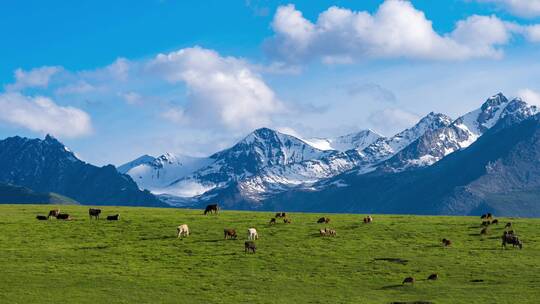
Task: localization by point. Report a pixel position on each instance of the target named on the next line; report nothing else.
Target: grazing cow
(252, 234)
(54, 212)
(249, 246)
(287, 221)
(483, 217)
(508, 225)
(229, 234)
(281, 214)
(42, 217)
(510, 238)
(368, 219)
(94, 213)
(213, 208)
(327, 232)
(63, 216)
(182, 230)
(322, 232)
(433, 277)
(446, 242)
(489, 216)
(408, 280)
(486, 223)
(115, 217)
(495, 222)
(325, 220)
(272, 221)
(484, 231)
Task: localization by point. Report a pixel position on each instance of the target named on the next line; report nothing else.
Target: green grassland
(139, 259)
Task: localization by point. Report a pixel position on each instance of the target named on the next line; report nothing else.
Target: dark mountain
(499, 173)
(10, 194)
(48, 166)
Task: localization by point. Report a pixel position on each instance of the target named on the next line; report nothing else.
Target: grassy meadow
(139, 259)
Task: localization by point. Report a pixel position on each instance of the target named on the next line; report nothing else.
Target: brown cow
(446, 242)
(281, 214)
(287, 221)
(229, 234)
(325, 220)
(42, 217)
(368, 219)
(408, 280)
(54, 212)
(249, 246)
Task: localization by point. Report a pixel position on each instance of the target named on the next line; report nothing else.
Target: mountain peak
(494, 101)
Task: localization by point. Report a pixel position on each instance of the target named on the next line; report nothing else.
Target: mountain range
(482, 161)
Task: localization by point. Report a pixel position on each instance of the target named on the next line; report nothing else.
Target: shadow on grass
(98, 247)
(393, 260)
(163, 237)
(392, 286)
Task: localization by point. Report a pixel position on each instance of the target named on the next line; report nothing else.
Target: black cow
(510, 238)
(250, 246)
(42, 217)
(115, 217)
(94, 213)
(63, 216)
(213, 208)
(54, 212)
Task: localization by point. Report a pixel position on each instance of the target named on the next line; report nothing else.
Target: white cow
(182, 230)
(252, 234)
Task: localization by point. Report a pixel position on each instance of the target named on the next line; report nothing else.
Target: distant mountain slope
(10, 194)
(358, 140)
(499, 173)
(48, 166)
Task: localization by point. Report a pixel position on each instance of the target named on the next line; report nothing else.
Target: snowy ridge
(358, 140)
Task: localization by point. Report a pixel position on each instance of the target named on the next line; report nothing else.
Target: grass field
(140, 260)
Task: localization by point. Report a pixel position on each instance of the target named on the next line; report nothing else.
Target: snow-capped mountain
(358, 140)
(436, 144)
(188, 177)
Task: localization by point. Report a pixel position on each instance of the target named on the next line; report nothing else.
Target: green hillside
(140, 260)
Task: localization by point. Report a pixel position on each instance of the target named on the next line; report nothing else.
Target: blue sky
(90, 73)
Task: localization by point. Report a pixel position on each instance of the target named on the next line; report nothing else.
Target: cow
(433, 277)
(229, 234)
(489, 216)
(94, 213)
(42, 217)
(368, 219)
(54, 212)
(446, 242)
(325, 220)
(249, 246)
(252, 234)
(510, 238)
(272, 221)
(327, 232)
(115, 217)
(281, 214)
(408, 280)
(63, 216)
(486, 223)
(483, 217)
(508, 225)
(322, 232)
(213, 208)
(287, 221)
(495, 222)
(484, 231)
(182, 230)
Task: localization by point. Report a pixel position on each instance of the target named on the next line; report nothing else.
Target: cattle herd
(92, 212)
(509, 235)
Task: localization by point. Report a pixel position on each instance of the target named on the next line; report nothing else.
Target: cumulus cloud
(521, 8)
(38, 77)
(529, 96)
(395, 30)
(41, 114)
(221, 90)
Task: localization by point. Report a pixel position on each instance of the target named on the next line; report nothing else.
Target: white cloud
(221, 90)
(41, 114)
(35, 78)
(395, 30)
(529, 96)
(131, 98)
(392, 120)
(522, 8)
(80, 87)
